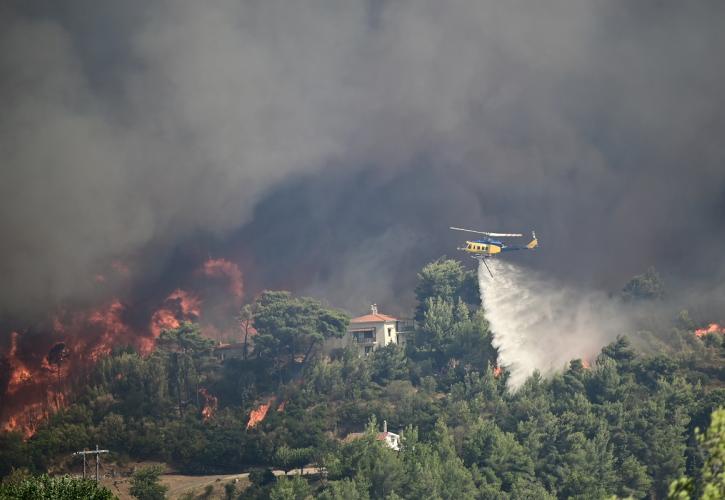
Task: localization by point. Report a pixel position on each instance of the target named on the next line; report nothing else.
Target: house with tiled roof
(373, 331)
(390, 439)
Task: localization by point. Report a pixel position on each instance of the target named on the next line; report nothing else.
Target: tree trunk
(246, 335)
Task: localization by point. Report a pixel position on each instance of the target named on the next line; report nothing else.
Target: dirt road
(180, 485)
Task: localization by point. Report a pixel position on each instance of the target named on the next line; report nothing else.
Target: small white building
(372, 331)
(391, 439)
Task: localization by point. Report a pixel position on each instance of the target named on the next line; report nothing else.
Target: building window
(364, 336)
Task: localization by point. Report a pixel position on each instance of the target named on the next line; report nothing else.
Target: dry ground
(191, 487)
(180, 486)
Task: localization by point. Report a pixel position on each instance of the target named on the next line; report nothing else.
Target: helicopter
(487, 247)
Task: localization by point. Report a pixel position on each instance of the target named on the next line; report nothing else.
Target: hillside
(622, 423)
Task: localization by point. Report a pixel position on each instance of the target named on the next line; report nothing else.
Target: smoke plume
(295, 138)
(539, 324)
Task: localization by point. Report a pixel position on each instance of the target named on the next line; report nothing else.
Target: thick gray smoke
(311, 135)
(539, 324)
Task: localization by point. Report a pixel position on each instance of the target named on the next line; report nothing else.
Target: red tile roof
(373, 318)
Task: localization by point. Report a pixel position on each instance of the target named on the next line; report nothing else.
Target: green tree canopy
(145, 484)
(710, 482)
(445, 279)
(54, 488)
(645, 286)
(289, 326)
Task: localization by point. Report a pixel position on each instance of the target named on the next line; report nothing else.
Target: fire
(179, 306)
(281, 406)
(36, 374)
(19, 373)
(497, 371)
(210, 404)
(110, 323)
(27, 421)
(586, 364)
(20, 376)
(258, 414)
(711, 328)
(38, 377)
(221, 268)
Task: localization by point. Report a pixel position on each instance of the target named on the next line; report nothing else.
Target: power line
(95, 452)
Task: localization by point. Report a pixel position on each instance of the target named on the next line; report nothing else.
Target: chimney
(385, 426)
(374, 308)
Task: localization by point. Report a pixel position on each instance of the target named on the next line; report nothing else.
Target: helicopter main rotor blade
(498, 235)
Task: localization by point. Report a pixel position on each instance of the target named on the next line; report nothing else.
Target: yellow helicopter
(489, 246)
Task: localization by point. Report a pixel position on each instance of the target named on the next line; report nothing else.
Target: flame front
(40, 363)
(210, 404)
(258, 414)
(179, 306)
(711, 328)
(36, 383)
(19, 373)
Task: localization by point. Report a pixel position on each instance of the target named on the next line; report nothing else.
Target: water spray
(538, 324)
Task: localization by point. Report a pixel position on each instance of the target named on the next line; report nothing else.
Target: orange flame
(179, 306)
(711, 328)
(210, 404)
(19, 374)
(110, 323)
(221, 268)
(586, 364)
(258, 414)
(26, 421)
(36, 384)
(497, 371)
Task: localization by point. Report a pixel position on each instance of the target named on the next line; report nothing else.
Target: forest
(631, 423)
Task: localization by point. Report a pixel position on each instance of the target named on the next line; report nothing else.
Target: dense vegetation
(44, 487)
(625, 426)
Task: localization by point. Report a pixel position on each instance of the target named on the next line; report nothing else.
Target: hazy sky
(329, 144)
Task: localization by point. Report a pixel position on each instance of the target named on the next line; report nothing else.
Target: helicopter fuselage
(484, 247)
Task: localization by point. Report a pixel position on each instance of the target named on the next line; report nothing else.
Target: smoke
(539, 324)
(294, 138)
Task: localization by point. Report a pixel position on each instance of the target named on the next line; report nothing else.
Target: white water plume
(538, 324)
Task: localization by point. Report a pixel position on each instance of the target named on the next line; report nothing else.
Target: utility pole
(95, 452)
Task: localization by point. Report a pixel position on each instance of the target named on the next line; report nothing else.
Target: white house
(372, 331)
(391, 439)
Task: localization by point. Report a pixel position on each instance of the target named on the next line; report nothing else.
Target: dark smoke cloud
(330, 144)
